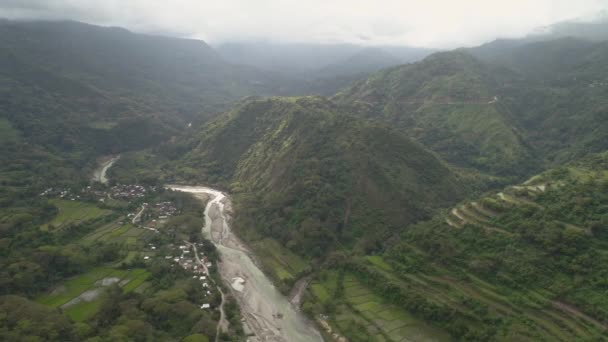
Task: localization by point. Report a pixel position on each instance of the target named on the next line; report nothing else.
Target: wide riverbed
(267, 313)
(99, 174)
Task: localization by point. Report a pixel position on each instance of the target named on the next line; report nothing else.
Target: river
(99, 174)
(268, 314)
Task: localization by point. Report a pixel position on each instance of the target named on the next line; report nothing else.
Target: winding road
(269, 316)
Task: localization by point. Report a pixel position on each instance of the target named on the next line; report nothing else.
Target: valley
(352, 193)
(268, 315)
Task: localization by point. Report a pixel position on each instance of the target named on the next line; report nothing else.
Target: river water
(99, 174)
(267, 313)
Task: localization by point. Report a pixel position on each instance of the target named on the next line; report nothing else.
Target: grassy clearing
(86, 309)
(378, 261)
(83, 310)
(75, 286)
(137, 279)
(282, 263)
(73, 212)
(391, 321)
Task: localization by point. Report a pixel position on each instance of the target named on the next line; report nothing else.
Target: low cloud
(429, 23)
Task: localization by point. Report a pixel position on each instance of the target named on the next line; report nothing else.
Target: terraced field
(283, 264)
(371, 315)
(74, 212)
(473, 296)
(482, 213)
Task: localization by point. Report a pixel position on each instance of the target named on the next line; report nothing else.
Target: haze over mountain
(431, 24)
(339, 187)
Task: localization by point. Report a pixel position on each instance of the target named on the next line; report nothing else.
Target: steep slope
(451, 103)
(560, 101)
(524, 264)
(305, 172)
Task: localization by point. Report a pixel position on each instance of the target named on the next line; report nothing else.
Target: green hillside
(72, 91)
(451, 103)
(308, 174)
(526, 264)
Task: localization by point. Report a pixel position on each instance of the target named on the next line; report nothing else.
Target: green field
(117, 232)
(282, 263)
(73, 212)
(83, 310)
(75, 286)
(364, 312)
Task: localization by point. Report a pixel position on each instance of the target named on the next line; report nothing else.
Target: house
(205, 306)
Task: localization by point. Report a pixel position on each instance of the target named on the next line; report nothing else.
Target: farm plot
(282, 263)
(391, 322)
(80, 298)
(74, 212)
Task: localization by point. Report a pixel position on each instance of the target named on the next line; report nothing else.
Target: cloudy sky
(428, 23)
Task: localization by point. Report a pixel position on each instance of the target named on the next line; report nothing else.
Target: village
(187, 257)
(152, 216)
(127, 192)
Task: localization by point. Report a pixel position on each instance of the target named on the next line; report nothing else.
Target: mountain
(307, 173)
(71, 92)
(286, 58)
(182, 76)
(450, 102)
(366, 61)
(508, 108)
(302, 59)
(596, 30)
(523, 264)
(322, 69)
(558, 101)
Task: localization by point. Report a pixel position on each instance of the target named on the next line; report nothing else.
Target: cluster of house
(147, 215)
(63, 193)
(163, 210)
(190, 262)
(127, 191)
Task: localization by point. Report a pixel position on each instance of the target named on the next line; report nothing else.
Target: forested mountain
(322, 69)
(523, 264)
(450, 102)
(596, 30)
(71, 91)
(307, 173)
(508, 113)
(178, 76)
(559, 101)
(303, 59)
(365, 61)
